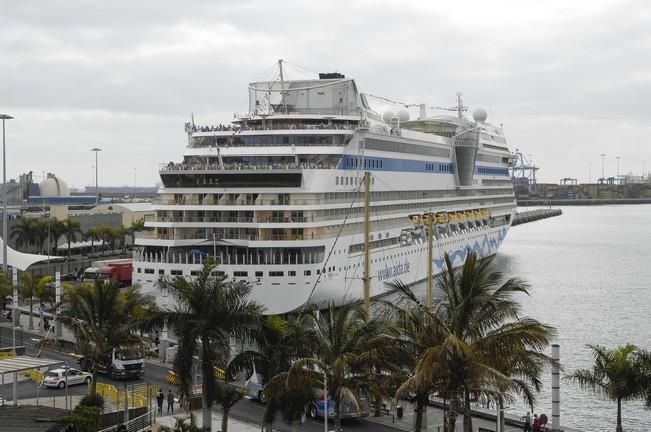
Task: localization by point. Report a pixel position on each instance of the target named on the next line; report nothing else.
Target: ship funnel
(466, 145)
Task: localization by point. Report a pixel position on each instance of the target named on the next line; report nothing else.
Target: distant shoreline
(581, 202)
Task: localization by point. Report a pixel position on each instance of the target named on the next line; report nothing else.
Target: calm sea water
(590, 272)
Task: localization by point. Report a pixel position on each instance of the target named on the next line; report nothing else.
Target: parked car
(57, 377)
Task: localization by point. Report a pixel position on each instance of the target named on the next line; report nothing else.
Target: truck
(117, 363)
(120, 271)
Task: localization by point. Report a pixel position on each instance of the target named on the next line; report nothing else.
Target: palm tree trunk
(207, 414)
(619, 415)
(31, 317)
(225, 421)
(419, 417)
(467, 412)
(337, 414)
(453, 413)
(378, 406)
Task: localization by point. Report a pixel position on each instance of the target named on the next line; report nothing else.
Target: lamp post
(96, 150)
(4, 196)
(603, 155)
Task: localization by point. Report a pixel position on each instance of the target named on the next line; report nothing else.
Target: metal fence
(137, 424)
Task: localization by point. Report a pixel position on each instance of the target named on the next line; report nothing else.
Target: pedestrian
(170, 402)
(157, 338)
(159, 399)
(527, 422)
(536, 423)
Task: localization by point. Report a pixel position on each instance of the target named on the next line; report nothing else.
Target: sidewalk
(433, 420)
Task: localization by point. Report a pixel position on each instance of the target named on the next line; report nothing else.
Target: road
(246, 410)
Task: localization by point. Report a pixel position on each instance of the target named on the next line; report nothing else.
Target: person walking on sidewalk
(170, 402)
(159, 400)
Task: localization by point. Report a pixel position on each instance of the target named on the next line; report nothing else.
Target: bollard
(556, 389)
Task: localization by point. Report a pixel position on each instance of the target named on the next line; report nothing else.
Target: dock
(534, 215)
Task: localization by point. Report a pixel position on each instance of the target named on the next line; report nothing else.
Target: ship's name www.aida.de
(389, 272)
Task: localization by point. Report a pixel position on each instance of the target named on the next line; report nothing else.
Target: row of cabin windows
(353, 162)
(161, 272)
(493, 171)
(350, 181)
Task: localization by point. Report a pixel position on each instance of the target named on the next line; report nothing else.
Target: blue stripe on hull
(375, 163)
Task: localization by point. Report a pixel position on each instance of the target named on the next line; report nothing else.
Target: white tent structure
(22, 260)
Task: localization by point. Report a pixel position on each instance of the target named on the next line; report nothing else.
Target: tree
(93, 234)
(341, 345)
(100, 320)
(226, 395)
(24, 232)
(142, 309)
(485, 347)
(417, 331)
(136, 226)
(57, 230)
(72, 231)
(211, 310)
(181, 424)
(121, 235)
(108, 235)
(5, 290)
(31, 287)
(617, 374)
(41, 232)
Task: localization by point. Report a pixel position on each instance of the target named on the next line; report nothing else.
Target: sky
(569, 80)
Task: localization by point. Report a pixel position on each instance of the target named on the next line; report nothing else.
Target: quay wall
(581, 202)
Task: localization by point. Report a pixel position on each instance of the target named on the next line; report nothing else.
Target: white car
(57, 377)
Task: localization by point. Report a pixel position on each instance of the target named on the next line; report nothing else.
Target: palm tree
(341, 344)
(5, 290)
(108, 235)
(485, 346)
(24, 232)
(94, 235)
(617, 374)
(41, 232)
(210, 310)
(30, 287)
(136, 226)
(227, 396)
(57, 230)
(142, 309)
(72, 231)
(100, 320)
(121, 234)
(417, 331)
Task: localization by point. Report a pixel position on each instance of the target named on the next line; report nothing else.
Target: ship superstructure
(277, 199)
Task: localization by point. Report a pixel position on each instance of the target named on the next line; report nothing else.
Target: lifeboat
(441, 217)
(415, 219)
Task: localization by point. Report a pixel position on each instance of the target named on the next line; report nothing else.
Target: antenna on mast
(282, 85)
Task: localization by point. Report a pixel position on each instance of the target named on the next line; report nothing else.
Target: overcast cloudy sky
(568, 79)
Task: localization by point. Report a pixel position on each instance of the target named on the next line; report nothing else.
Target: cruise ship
(278, 198)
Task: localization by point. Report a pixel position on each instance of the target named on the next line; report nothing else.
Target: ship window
(176, 272)
(240, 274)
(259, 274)
(276, 274)
(149, 271)
(195, 272)
(346, 181)
(161, 272)
(138, 270)
(337, 180)
(307, 273)
(291, 273)
(318, 271)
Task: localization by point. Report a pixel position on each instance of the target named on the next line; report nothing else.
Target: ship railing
(239, 167)
(274, 126)
(257, 258)
(292, 110)
(238, 219)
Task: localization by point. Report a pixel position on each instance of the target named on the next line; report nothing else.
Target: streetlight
(603, 155)
(96, 150)
(4, 196)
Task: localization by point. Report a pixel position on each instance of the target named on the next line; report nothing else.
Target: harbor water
(590, 277)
